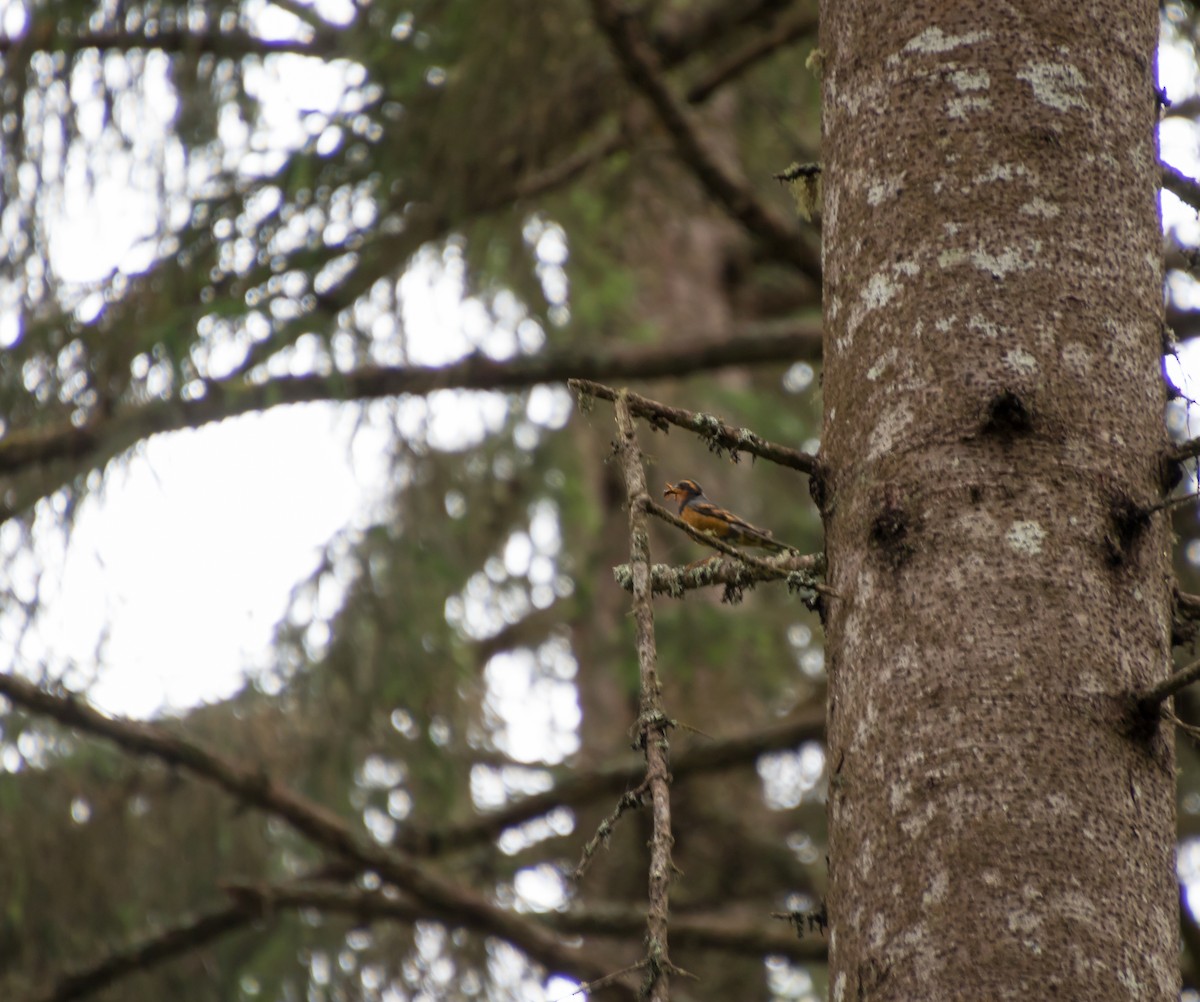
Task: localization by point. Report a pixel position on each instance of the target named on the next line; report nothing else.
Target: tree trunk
(999, 827)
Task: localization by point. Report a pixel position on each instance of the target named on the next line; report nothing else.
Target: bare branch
(165, 946)
(1188, 107)
(653, 723)
(1149, 701)
(695, 932)
(719, 435)
(311, 820)
(641, 65)
(1184, 450)
(1185, 188)
(565, 171)
(609, 780)
(220, 43)
(1187, 604)
(616, 921)
(785, 31)
(629, 800)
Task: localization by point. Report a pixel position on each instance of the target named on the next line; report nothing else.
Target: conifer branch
(785, 31)
(310, 819)
(229, 44)
(613, 779)
(166, 945)
(641, 66)
(719, 436)
(102, 439)
(692, 931)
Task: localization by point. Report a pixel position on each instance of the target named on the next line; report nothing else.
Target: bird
(704, 516)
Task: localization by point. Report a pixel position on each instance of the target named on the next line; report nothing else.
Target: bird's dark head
(684, 491)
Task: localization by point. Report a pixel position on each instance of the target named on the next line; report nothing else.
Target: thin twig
(1191, 730)
(653, 723)
(629, 800)
(582, 788)
(550, 179)
(1174, 502)
(1149, 701)
(641, 66)
(719, 435)
(785, 30)
(591, 987)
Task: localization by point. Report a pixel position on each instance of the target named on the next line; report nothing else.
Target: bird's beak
(670, 491)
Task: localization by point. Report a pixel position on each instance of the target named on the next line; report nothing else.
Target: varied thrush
(704, 516)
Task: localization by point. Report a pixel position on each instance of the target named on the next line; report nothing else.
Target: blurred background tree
(273, 191)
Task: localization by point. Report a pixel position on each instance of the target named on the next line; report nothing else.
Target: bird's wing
(722, 521)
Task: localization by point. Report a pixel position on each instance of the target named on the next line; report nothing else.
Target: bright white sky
(188, 556)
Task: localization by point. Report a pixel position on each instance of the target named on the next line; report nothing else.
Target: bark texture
(992, 435)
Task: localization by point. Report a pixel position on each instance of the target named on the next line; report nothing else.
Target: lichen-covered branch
(800, 571)
(653, 723)
(719, 436)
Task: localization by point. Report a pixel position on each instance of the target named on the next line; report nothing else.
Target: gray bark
(999, 825)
